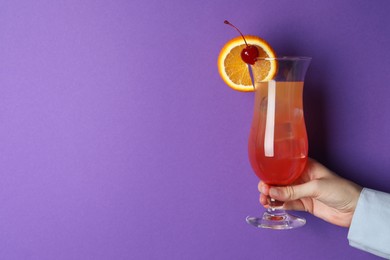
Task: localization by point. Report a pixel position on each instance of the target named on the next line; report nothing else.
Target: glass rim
(292, 58)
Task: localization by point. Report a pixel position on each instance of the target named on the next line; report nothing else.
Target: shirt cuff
(370, 227)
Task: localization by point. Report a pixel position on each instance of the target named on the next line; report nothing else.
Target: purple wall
(120, 141)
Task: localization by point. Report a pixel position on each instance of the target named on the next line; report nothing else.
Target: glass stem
(274, 204)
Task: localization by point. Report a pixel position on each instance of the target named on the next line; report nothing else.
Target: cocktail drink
(278, 146)
(278, 158)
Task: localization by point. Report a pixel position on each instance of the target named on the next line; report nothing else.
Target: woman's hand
(318, 191)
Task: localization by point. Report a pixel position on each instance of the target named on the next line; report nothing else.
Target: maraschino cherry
(250, 52)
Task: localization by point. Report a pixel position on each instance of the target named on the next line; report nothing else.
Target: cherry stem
(228, 23)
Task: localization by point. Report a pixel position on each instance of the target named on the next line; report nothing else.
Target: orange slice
(235, 72)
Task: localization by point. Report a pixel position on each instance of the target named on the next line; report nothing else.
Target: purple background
(119, 140)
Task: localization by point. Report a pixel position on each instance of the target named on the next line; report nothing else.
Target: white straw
(270, 120)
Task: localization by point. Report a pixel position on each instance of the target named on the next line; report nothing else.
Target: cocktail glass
(278, 146)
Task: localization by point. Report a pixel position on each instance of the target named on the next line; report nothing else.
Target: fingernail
(273, 192)
(261, 188)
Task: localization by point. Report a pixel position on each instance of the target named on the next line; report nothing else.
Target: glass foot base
(276, 220)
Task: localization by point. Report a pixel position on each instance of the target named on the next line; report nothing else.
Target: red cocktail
(278, 146)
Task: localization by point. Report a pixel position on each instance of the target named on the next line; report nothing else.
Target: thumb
(294, 192)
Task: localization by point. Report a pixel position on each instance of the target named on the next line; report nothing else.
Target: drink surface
(289, 143)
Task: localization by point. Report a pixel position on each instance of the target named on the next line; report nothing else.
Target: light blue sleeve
(370, 227)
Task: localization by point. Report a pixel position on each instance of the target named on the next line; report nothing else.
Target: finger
(288, 193)
(263, 188)
(263, 199)
(294, 205)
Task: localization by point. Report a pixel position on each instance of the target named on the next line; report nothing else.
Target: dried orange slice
(235, 72)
